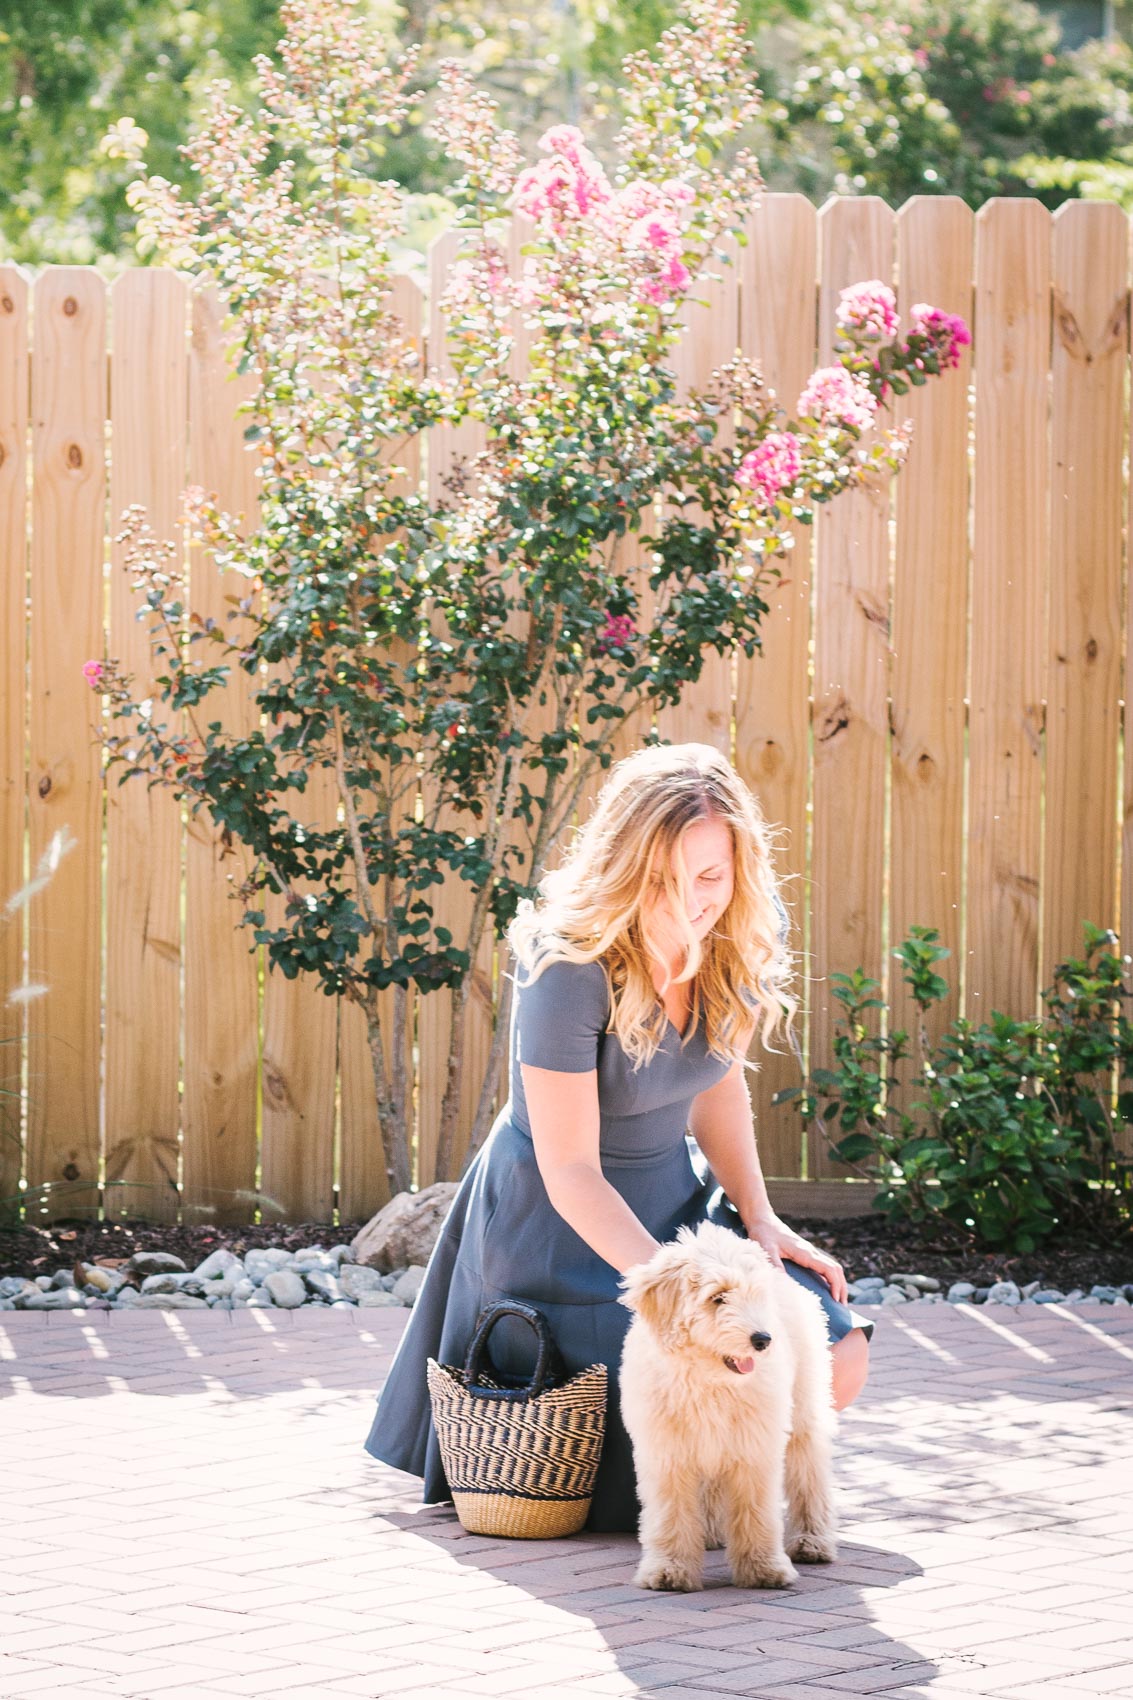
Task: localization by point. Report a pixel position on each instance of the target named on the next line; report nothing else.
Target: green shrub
(1009, 1129)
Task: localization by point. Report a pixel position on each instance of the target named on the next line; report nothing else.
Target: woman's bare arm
(721, 1122)
(563, 1110)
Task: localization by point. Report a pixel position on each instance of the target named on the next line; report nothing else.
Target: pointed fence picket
(933, 726)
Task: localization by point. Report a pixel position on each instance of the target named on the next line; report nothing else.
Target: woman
(652, 956)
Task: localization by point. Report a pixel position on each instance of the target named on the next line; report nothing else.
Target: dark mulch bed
(866, 1245)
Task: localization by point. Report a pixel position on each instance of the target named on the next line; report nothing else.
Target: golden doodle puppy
(726, 1396)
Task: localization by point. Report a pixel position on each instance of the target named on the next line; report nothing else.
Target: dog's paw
(668, 1576)
(762, 1572)
(813, 1548)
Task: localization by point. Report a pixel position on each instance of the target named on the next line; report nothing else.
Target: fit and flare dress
(503, 1237)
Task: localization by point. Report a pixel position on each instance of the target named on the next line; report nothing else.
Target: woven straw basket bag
(520, 1457)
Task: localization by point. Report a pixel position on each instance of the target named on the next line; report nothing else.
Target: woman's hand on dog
(779, 1241)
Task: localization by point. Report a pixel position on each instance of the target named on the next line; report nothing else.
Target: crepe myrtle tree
(461, 666)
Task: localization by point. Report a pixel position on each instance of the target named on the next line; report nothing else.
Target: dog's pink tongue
(744, 1366)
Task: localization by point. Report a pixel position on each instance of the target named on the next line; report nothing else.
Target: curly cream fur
(743, 1456)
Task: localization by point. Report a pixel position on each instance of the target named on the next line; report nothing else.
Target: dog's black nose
(761, 1341)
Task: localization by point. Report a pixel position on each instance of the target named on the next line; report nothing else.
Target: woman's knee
(851, 1367)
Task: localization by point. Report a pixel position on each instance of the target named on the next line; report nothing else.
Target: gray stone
(378, 1299)
(923, 1283)
(1003, 1293)
(63, 1278)
(127, 1299)
(356, 1279)
(12, 1285)
(286, 1288)
(1106, 1294)
(893, 1296)
(219, 1262)
(155, 1263)
(979, 1297)
(262, 1263)
(60, 1298)
(260, 1299)
(959, 1292)
(43, 1282)
(320, 1262)
(243, 1289)
(221, 1288)
(168, 1283)
(169, 1301)
(341, 1254)
(1048, 1296)
(404, 1232)
(410, 1284)
(875, 1281)
(326, 1286)
(1073, 1295)
(1030, 1289)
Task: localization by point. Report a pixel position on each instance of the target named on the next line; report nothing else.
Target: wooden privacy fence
(935, 722)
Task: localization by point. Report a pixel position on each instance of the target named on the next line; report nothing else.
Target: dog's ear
(656, 1291)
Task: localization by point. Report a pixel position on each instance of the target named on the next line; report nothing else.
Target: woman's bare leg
(851, 1367)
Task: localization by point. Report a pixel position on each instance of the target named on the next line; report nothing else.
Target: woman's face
(709, 860)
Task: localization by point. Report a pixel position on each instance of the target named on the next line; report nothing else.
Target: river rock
(286, 1288)
(169, 1301)
(960, 1292)
(922, 1283)
(59, 1298)
(1003, 1293)
(891, 1295)
(410, 1285)
(13, 1285)
(260, 1264)
(356, 1279)
(1106, 1294)
(325, 1285)
(155, 1263)
(103, 1280)
(167, 1283)
(1047, 1296)
(404, 1232)
(376, 1298)
(217, 1263)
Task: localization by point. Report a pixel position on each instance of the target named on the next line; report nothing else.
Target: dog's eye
(718, 1298)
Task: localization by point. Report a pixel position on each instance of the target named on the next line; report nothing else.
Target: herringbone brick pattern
(187, 1513)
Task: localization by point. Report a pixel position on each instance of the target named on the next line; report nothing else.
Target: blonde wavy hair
(594, 905)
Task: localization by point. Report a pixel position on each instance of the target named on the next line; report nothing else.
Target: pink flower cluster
(947, 332)
(643, 218)
(772, 466)
(619, 632)
(570, 180)
(92, 673)
(870, 309)
(834, 396)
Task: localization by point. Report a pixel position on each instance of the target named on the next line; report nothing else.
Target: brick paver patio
(188, 1513)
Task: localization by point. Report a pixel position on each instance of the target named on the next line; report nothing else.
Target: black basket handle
(549, 1366)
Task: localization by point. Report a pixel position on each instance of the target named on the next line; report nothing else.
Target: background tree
(461, 665)
(965, 97)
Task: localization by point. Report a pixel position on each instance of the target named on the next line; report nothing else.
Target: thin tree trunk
(391, 1110)
(485, 1108)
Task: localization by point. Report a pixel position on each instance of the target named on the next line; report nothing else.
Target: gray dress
(503, 1237)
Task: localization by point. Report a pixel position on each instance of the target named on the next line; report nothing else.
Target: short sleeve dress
(504, 1238)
